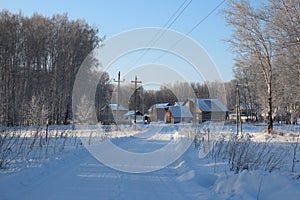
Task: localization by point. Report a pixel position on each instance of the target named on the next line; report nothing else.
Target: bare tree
(286, 33)
(252, 42)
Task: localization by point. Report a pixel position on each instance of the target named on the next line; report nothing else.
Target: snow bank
(258, 185)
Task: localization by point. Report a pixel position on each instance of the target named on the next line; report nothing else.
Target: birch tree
(286, 33)
(251, 40)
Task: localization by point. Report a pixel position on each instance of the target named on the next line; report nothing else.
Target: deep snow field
(216, 164)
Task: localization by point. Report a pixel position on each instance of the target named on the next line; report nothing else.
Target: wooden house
(129, 116)
(157, 112)
(177, 114)
(110, 112)
(207, 109)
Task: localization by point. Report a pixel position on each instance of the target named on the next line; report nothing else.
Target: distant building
(176, 114)
(129, 116)
(207, 109)
(110, 112)
(157, 112)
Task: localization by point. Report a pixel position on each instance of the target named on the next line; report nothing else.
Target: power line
(160, 33)
(192, 29)
(176, 12)
(180, 13)
(209, 14)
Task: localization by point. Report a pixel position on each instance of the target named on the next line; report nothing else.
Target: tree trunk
(270, 110)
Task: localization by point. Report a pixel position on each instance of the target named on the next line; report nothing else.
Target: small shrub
(244, 154)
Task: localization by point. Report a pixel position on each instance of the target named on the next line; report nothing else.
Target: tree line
(266, 43)
(39, 58)
(169, 93)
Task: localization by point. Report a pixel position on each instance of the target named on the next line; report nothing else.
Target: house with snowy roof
(207, 109)
(177, 114)
(158, 111)
(130, 115)
(110, 112)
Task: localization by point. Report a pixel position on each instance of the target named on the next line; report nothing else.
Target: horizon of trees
(168, 93)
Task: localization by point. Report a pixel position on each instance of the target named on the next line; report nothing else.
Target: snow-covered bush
(242, 153)
(19, 146)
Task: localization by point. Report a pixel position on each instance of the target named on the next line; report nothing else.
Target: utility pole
(195, 108)
(118, 95)
(238, 111)
(135, 96)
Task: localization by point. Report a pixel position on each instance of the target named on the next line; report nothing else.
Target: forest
(39, 58)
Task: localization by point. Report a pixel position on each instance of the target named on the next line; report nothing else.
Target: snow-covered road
(76, 174)
(80, 176)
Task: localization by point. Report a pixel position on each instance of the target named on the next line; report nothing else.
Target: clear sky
(115, 16)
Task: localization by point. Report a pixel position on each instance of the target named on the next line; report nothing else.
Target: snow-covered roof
(180, 111)
(210, 105)
(161, 105)
(131, 113)
(114, 107)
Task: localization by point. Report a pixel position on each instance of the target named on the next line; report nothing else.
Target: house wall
(186, 119)
(107, 116)
(215, 116)
(157, 114)
(160, 114)
(152, 114)
(168, 117)
(205, 116)
(191, 105)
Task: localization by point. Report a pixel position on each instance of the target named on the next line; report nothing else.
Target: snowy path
(76, 174)
(89, 179)
(80, 176)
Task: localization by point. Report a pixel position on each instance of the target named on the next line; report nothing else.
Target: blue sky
(115, 16)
